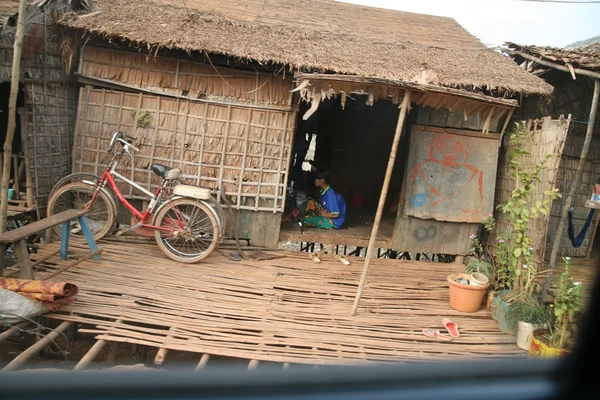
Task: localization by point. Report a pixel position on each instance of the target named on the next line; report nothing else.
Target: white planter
(524, 333)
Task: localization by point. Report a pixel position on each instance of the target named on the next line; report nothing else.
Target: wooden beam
(574, 185)
(162, 352)
(410, 86)
(506, 122)
(74, 263)
(386, 183)
(14, 329)
(37, 347)
(92, 353)
(550, 64)
(90, 80)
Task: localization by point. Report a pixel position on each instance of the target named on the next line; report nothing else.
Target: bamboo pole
(203, 361)
(27, 159)
(12, 113)
(92, 353)
(578, 71)
(37, 347)
(569, 200)
(386, 183)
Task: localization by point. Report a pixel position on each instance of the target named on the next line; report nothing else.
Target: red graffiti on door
(446, 175)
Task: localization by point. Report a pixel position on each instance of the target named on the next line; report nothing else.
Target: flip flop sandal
(435, 333)
(451, 327)
(343, 259)
(315, 257)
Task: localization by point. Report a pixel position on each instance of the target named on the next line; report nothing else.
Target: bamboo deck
(356, 233)
(287, 310)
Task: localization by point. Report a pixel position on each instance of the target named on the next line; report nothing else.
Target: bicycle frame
(144, 218)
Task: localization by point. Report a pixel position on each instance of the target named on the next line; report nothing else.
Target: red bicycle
(186, 221)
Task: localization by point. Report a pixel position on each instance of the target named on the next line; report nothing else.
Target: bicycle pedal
(132, 227)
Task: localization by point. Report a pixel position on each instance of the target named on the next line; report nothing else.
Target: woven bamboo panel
(50, 120)
(283, 310)
(545, 138)
(185, 77)
(241, 150)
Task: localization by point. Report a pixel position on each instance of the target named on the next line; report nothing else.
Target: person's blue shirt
(334, 203)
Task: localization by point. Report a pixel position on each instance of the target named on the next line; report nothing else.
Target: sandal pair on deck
(451, 327)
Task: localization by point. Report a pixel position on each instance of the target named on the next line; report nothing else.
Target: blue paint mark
(419, 200)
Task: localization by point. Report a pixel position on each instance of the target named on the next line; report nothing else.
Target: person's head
(322, 179)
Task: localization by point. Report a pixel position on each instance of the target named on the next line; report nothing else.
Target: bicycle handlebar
(126, 142)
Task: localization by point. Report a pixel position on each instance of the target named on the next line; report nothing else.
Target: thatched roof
(313, 35)
(586, 57)
(8, 8)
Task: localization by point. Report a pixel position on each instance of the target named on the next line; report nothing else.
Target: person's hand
(322, 212)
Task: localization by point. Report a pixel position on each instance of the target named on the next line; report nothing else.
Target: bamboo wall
(566, 175)
(547, 138)
(50, 120)
(571, 97)
(242, 150)
(184, 77)
(41, 58)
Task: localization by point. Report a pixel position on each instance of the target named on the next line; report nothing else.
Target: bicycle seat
(165, 172)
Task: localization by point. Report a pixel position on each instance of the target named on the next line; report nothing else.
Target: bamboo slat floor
(356, 232)
(287, 310)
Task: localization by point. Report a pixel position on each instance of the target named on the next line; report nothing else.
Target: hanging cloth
(577, 241)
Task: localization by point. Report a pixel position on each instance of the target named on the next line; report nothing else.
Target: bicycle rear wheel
(72, 178)
(101, 215)
(192, 231)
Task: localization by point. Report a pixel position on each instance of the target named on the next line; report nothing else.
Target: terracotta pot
(537, 348)
(465, 298)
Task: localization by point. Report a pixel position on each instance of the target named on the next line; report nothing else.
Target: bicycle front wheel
(78, 195)
(188, 230)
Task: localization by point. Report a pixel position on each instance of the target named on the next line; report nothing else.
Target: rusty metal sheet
(451, 177)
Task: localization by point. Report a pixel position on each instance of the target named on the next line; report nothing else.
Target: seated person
(328, 213)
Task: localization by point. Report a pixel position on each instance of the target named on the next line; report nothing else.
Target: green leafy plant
(568, 303)
(515, 268)
(528, 311)
(477, 265)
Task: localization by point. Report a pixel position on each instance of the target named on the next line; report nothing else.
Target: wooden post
(569, 200)
(382, 197)
(12, 113)
(203, 361)
(27, 159)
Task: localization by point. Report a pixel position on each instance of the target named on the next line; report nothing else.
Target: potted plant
(464, 296)
(525, 317)
(568, 303)
(480, 263)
